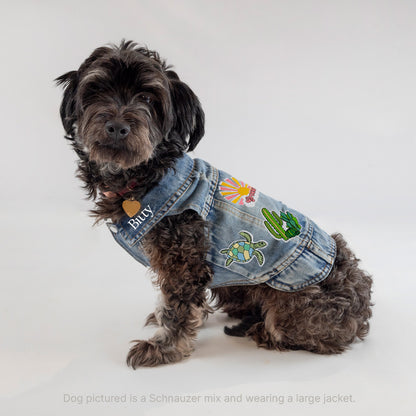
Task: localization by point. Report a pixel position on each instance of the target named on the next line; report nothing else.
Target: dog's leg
(176, 249)
(155, 318)
(236, 301)
(240, 330)
(240, 302)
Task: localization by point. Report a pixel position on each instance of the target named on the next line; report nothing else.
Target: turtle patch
(274, 224)
(243, 251)
(238, 192)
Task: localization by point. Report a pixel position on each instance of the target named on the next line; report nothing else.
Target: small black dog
(131, 121)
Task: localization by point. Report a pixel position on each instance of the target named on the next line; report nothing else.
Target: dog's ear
(68, 105)
(189, 118)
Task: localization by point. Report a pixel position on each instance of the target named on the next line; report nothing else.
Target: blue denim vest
(253, 238)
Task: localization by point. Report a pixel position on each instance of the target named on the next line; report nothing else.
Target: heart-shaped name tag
(131, 207)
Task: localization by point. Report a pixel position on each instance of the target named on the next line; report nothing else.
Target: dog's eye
(146, 98)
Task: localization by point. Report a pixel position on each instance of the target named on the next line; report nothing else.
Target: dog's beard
(136, 148)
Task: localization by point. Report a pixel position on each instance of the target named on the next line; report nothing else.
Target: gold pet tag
(131, 207)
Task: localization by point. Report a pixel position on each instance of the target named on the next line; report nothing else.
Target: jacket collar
(159, 200)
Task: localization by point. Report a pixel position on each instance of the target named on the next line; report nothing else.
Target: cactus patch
(238, 192)
(283, 226)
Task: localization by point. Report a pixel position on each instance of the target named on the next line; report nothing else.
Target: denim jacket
(253, 238)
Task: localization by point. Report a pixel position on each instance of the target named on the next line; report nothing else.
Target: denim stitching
(213, 187)
(164, 209)
(294, 256)
(316, 279)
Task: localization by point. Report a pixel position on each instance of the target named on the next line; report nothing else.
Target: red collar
(130, 187)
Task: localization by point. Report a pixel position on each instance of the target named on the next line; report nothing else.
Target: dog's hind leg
(241, 329)
(260, 312)
(176, 248)
(236, 301)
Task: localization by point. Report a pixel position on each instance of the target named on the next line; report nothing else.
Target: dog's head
(124, 102)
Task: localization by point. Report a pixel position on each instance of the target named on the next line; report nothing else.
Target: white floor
(71, 300)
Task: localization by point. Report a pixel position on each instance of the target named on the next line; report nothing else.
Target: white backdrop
(309, 101)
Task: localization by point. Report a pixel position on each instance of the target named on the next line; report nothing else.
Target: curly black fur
(133, 85)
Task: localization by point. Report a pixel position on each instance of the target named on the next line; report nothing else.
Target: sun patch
(238, 192)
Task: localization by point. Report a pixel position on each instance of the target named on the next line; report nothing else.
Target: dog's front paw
(152, 353)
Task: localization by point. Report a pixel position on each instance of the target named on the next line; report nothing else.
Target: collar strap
(130, 187)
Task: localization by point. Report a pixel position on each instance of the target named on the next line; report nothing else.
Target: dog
(132, 121)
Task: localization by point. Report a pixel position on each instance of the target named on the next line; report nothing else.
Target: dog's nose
(117, 130)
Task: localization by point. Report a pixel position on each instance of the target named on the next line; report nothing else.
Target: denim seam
(316, 279)
(209, 202)
(315, 249)
(164, 209)
(245, 282)
(295, 255)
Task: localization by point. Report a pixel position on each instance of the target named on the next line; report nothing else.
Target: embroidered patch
(238, 192)
(274, 224)
(144, 214)
(243, 251)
